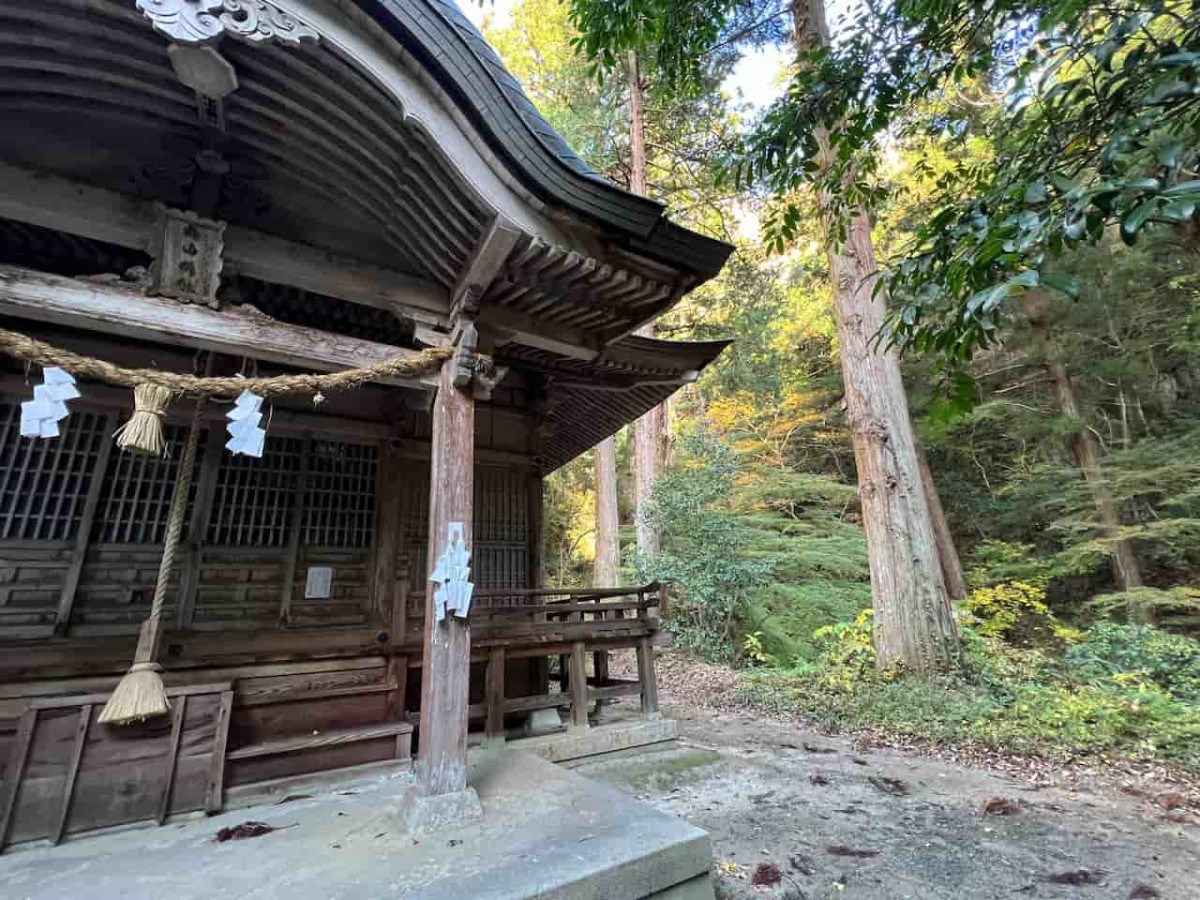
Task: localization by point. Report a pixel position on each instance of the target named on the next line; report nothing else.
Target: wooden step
(324, 739)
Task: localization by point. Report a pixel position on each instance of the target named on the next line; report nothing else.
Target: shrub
(1140, 652)
(1015, 611)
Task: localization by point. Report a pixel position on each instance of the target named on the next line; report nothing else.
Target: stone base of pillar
(543, 721)
(422, 814)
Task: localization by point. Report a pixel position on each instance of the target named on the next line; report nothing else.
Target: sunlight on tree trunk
(914, 624)
(607, 571)
(649, 431)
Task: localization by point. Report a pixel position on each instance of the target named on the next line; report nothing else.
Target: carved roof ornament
(194, 22)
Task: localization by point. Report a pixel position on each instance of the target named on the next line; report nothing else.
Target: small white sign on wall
(319, 583)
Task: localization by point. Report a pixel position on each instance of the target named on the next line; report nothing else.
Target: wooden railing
(558, 615)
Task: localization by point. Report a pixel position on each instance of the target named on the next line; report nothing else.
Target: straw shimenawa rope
(43, 354)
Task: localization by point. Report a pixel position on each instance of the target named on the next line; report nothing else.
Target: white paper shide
(451, 576)
(41, 415)
(245, 435)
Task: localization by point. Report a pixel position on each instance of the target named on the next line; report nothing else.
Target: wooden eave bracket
(472, 369)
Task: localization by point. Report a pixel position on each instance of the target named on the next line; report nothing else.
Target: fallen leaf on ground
(244, 830)
(818, 780)
(802, 864)
(843, 850)
(1077, 877)
(889, 785)
(1000, 806)
(291, 797)
(1170, 801)
(766, 874)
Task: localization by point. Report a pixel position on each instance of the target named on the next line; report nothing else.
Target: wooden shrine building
(264, 187)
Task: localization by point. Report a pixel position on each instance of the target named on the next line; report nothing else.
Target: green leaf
(1061, 283)
(1136, 218)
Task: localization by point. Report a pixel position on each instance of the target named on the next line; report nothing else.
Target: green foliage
(704, 549)
(1014, 611)
(1123, 653)
(1121, 691)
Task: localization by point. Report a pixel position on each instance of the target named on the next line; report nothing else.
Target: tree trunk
(914, 625)
(607, 570)
(952, 573)
(649, 432)
(1086, 451)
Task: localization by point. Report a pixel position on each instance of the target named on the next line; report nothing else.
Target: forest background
(1065, 652)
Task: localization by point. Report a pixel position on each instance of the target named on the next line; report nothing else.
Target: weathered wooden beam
(197, 533)
(646, 676)
(103, 215)
(64, 812)
(214, 795)
(14, 770)
(122, 310)
(388, 499)
(295, 524)
(164, 798)
(487, 259)
(66, 598)
(579, 687)
(442, 761)
(513, 325)
(493, 730)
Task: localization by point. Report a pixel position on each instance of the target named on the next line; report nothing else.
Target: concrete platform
(599, 740)
(546, 833)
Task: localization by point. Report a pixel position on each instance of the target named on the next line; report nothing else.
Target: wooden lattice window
(501, 527)
(254, 498)
(339, 500)
(136, 497)
(44, 483)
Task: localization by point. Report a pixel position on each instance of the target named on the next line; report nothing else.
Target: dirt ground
(797, 814)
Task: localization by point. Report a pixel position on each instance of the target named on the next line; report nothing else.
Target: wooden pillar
(579, 687)
(387, 536)
(442, 764)
(649, 684)
(494, 726)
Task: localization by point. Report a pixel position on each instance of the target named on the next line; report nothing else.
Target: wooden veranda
(303, 186)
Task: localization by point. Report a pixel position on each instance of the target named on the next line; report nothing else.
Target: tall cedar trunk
(1086, 451)
(914, 624)
(649, 432)
(952, 572)
(607, 571)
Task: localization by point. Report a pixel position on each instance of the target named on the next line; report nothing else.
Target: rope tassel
(143, 433)
(141, 694)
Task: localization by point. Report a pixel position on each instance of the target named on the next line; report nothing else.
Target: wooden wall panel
(31, 577)
(115, 588)
(350, 589)
(255, 724)
(121, 772)
(250, 771)
(239, 588)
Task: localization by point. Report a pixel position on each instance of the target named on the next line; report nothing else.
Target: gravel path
(807, 815)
